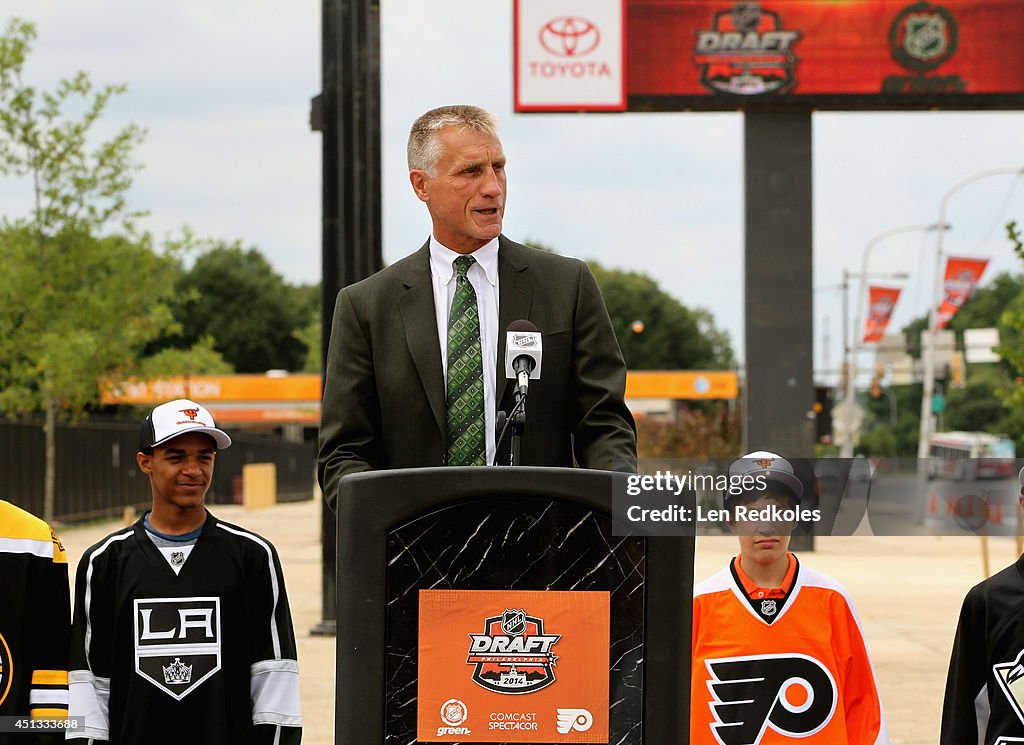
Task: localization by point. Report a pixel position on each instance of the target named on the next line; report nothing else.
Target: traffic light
(956, 369)
(822, 413)
(876, 381)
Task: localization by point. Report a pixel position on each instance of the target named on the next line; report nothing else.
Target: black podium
(444, 539)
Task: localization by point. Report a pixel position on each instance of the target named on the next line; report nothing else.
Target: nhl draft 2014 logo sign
(792, 694)
(747, 52)
(177, 642)
(513, 655)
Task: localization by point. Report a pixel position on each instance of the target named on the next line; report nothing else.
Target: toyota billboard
(694, 54)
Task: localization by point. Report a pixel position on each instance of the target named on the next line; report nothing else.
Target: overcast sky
(224, 88)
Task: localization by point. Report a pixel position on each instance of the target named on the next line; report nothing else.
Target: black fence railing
(97, 475)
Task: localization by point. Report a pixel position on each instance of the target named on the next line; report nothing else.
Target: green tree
(1010, 348)
(234, 295)
(201, 359)
(654, 330)
(892, 422)
(986, 305)
(309, 336)
(669, 336)
(74, 305)
(982, 404)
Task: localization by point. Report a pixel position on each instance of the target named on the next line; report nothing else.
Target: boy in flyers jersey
(778, 654)
(984, 701)
(182, 632)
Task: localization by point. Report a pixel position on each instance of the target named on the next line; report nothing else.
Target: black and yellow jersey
(35, 619)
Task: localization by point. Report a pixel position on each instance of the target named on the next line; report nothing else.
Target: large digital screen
(675, 55)
(827, 54)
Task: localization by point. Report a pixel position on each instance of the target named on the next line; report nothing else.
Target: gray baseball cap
(770, 467)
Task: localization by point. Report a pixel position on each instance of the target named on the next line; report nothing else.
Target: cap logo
(190, 413)
(765, 462)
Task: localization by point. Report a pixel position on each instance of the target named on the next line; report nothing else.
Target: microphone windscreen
(522, 325)
(523, 340)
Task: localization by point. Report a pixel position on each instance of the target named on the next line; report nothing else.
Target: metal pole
(347, 113)
(928, 342)
(778, 232)
(846, 449)
(850, 381)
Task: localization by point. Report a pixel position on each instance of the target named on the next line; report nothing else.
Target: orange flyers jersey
(803, 677)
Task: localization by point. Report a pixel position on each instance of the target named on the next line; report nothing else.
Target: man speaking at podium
(416, 365)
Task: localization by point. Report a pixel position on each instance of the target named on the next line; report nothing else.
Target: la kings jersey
(984, 700)
(35, 619)
(792, 672)
(205, 655)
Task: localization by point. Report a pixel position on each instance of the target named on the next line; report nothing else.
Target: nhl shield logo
(513, 622)
(746, 17)
(768, 607)
(177, 642)
(513, 655)
(923, 36)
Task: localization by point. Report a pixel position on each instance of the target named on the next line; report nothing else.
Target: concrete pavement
(907, 592)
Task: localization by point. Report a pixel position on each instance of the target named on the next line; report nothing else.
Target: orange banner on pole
(962, 276)
(881, 301)
(513, 666)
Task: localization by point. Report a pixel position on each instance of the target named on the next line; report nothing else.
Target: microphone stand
(518, 420)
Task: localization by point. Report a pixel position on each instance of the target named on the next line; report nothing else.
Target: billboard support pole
(778, 272)
(347, 113)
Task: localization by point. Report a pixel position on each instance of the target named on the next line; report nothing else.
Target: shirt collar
(442, 260)
(752, 590)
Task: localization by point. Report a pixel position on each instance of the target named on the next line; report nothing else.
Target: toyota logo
(569, 36)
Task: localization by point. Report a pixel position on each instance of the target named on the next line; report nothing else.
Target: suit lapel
(418, 316)
(515, 297)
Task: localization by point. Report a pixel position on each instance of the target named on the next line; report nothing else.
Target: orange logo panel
(513, 666)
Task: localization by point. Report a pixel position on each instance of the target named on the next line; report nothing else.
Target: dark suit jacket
(384, 392)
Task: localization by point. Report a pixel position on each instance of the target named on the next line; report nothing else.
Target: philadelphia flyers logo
(793, 694)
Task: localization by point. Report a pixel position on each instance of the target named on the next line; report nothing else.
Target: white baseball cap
(770, 467)
(179, 417)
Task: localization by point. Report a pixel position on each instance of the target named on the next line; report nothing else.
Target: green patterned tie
(466, 442)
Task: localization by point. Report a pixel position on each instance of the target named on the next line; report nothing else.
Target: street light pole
(928, 341)
(851, 351)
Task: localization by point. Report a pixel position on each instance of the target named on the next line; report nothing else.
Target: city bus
(970, 455)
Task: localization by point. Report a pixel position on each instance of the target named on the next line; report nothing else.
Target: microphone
(523, 348)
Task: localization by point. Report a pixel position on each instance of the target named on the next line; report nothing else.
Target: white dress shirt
(483, 275)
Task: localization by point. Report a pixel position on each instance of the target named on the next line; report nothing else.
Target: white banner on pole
(570, 55)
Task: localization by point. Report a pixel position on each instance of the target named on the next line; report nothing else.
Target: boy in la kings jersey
(778, 652)
(182, 632)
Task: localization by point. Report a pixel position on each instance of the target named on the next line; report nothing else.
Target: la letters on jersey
(177, 642)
